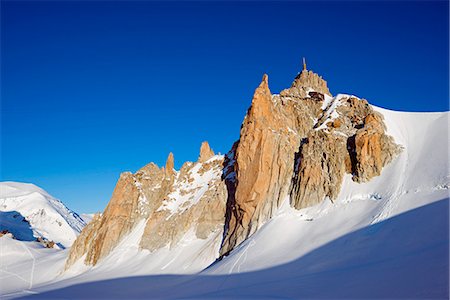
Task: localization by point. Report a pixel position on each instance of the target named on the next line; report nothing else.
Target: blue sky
(91, 89)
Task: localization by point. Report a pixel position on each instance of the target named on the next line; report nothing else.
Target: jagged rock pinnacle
(305, 82)
(205, 152)
(169, 165)
(289, 148)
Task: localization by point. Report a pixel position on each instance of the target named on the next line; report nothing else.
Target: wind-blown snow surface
(385, 238)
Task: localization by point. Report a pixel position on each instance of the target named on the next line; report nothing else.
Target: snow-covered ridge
(47, 216)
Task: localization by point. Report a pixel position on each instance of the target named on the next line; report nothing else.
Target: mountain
(322, 196)
(29, 213)
(294, 146)
(159, 207)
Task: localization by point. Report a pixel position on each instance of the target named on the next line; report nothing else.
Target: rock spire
(169, 165)
(205, 152)
(294, 148)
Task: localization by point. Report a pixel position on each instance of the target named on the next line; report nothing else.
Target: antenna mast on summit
(304, 64)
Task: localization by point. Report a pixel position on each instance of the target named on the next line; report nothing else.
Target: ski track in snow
(242, 257)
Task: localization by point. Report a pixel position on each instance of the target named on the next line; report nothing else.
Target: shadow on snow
(405, 256)
(15, 223)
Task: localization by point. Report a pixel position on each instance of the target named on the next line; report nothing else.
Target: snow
(142, 200)
(26, 264)
(47, 217)
(327, 101)
(188, 193)
(329, 106)
(190, 256)
(87, 217)
(387, 238)
(411, 181)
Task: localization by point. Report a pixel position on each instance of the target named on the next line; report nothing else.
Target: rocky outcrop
(46, 243)
(373, 148)
(295, 146)
(197, 201)
(300, 143)
(6, 232)
(320, 169)
(349, 139)
(305, 83)
(170, 163)
(264, 159)
(103, 233)
(170, 203)
(205, 152)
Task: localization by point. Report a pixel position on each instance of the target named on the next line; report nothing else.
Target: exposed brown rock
(289, 146)
(134, 198)
(320, 169)
(46, 243)
(152, 187)
(141, 196)
(269, 148)
(103, 233)
(305, 82)
(166, 227)
(316, 96)
(205, 152)
(355, 143)
(336, 124)
(169, 166)
(84, 241)
(374, 149)
(270, 136)
(6, 232)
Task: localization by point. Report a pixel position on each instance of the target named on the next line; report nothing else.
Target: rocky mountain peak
(205, 152)
(296, 147)
(169, 165)
(306, 82)
(299, 145)
(262, 98)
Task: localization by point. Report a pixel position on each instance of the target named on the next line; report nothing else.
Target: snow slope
(25, 264)
(419, 176)
(384, 238)
(387, 260)
(45, 216)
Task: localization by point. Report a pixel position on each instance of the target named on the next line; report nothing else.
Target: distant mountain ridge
(29, 213)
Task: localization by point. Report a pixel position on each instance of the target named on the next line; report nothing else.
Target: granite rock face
(103, 233)
(305, 83)
(296, 146)
(205, 152)
(264, 157)
(374, 149)
(196, 201)
(169, 202)
(320, 169)
(300, 144)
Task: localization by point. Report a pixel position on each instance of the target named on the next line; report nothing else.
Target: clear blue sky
(92, 89)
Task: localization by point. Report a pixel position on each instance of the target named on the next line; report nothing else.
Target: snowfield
(388, 238)
(48, 217)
